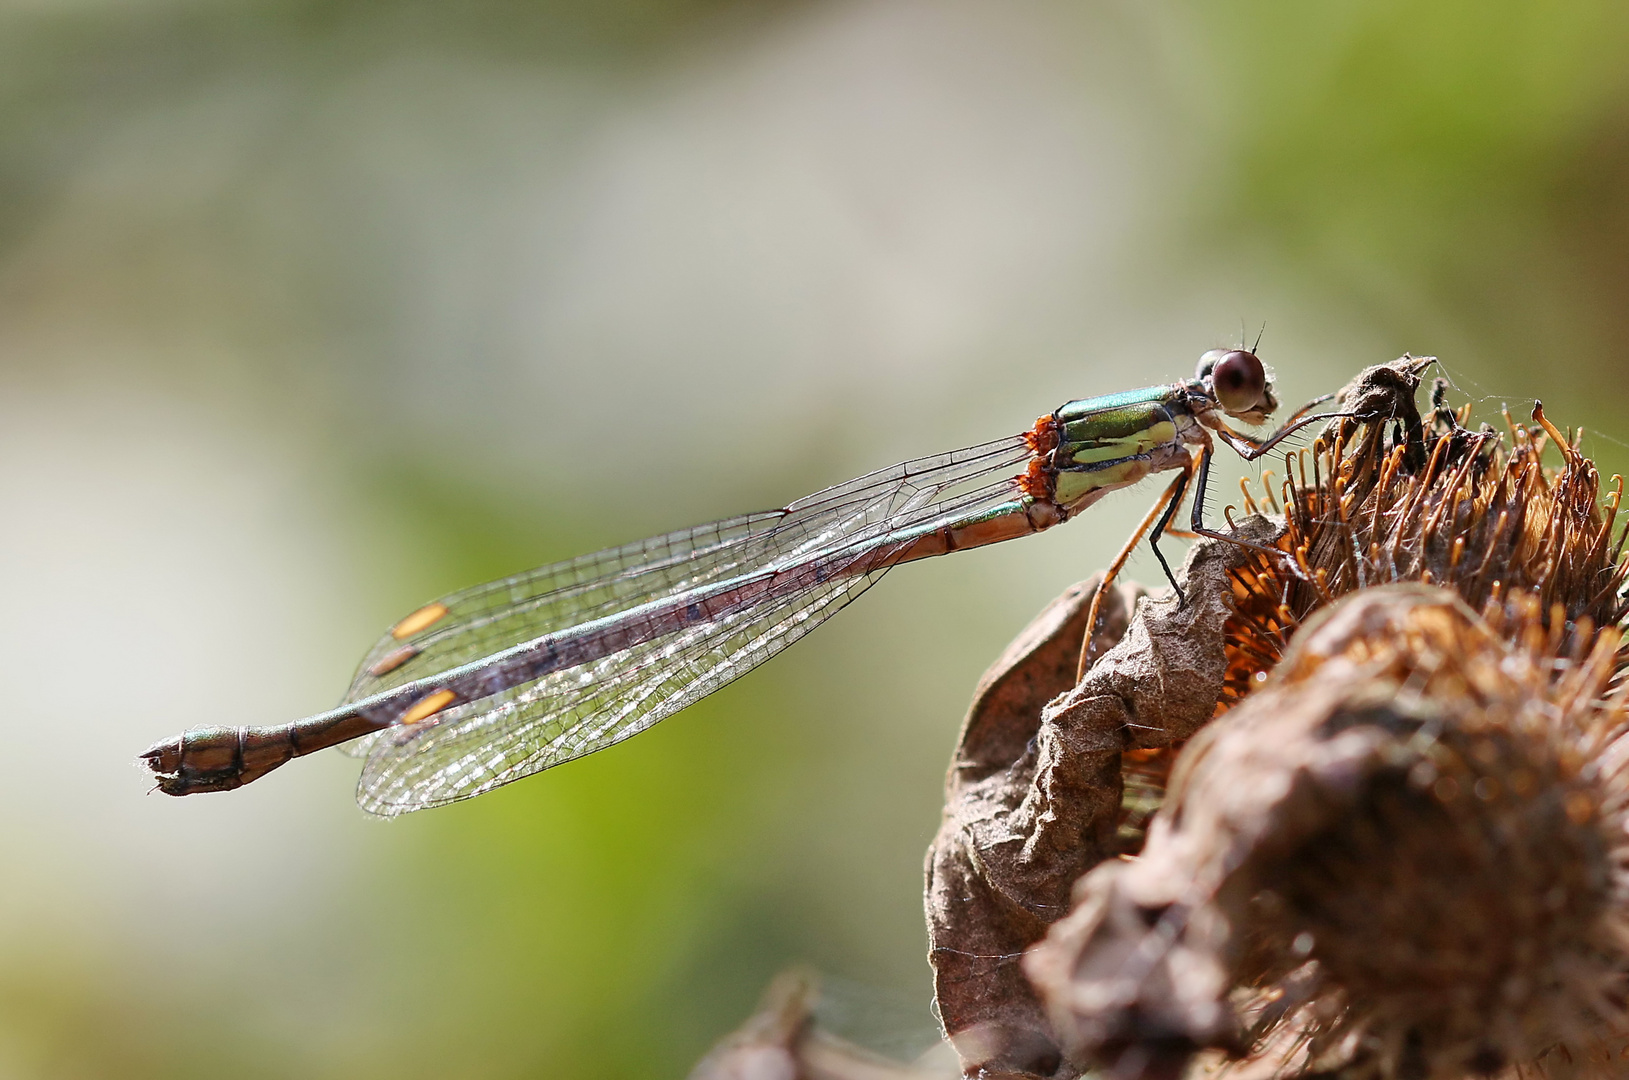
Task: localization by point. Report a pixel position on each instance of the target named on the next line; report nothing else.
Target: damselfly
(506, 679)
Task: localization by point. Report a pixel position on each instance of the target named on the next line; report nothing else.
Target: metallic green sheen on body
(1116, 416)
(1086, 408)
(1157, 430)
(1109, 442)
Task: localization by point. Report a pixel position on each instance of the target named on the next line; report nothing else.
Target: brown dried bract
(1034, 796)
(979, 918)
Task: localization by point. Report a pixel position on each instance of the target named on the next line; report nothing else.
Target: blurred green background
(311, 311)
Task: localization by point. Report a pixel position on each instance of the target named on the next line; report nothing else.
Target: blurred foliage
(215, 189)
(1447, 168)
(70, 73)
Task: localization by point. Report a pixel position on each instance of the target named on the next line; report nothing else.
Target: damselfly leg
(1156, 522)
(1158, 516)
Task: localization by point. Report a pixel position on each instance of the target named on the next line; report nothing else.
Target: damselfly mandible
(506, 679)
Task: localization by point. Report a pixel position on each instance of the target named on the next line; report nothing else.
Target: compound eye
(1238, 379)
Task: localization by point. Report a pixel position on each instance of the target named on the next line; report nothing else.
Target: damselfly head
(1239, 383)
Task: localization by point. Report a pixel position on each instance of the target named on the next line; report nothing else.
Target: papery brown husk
(1034, 796)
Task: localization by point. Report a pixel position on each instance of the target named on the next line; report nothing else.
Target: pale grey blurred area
(310, 312)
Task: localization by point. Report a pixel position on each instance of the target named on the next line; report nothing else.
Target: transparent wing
(477, 747)
(472, 748)
(487, 619)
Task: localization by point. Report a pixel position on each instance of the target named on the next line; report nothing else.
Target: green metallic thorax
(1111, 441)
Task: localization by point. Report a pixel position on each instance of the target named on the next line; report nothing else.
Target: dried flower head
(1399, 501)
(1403, 850)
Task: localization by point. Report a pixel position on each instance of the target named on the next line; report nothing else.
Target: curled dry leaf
(980, 918)
(1034, 796)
